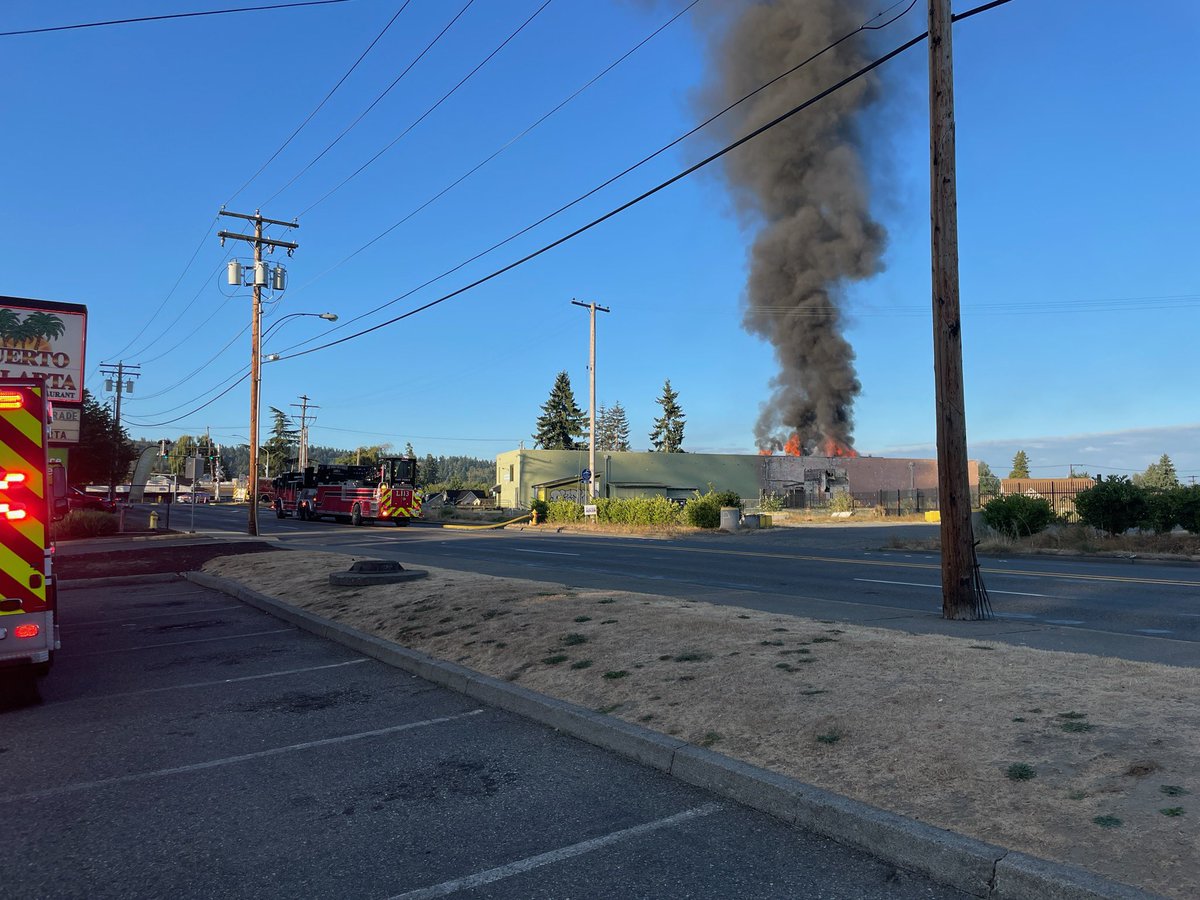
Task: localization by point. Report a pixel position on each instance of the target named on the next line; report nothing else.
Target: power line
(502, 148)
(316, 110)
(446, 96)
(865, 26)
(188, 15)
(636, 200)
(374, 102)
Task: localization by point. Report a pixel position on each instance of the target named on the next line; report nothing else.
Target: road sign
(585, 476)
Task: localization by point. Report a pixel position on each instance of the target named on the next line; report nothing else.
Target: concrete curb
(975, 867)
(118, 580)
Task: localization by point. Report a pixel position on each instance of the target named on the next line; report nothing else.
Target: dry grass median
(1083, 759)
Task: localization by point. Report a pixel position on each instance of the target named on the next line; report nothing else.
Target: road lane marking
(490, 876)
(894, 563)
(939, 587)
(116, 620)
(550, 552)
(230, 760)
(229, 637)
(200, 684)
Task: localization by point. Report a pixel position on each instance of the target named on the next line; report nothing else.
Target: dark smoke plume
(804, 180)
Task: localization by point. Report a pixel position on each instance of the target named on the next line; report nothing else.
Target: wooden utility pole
(305, 406)
(117, 374)
(259, 281)
(963, 594)
(592, 487)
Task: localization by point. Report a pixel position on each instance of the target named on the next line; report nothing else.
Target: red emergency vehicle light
(12, 511)
(7, 478)
(26, 631)
(11, 400)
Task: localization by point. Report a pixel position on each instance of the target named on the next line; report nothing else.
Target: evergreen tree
(667, 436)
(604, 436)
(1020, 466)
(103, 454)
(277, 451)
(618, 424)
(427, 471)
(989, 484)
(561, 421)
(1158, 476)
(408, 449)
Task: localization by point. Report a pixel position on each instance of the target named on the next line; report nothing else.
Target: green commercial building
(522, 475)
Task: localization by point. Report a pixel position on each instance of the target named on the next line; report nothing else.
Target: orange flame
(836, 448)
(792, 447)
(765, 451)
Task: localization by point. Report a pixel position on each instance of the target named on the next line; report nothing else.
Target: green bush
(703, 510)
(1163, 509)
(642, 511)
(769, 502)
(1114, 505)
(728, 498)
(564, 511)
(83, 523)
(841, 501)
(541, 507)
(1189, 508)
(1017, 515)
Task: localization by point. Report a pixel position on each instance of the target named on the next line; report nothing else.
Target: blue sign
(585, 476)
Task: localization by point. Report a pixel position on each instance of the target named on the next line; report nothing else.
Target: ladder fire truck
(31, 494)
(386, 492)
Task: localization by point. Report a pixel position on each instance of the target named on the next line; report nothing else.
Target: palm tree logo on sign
(34, 332)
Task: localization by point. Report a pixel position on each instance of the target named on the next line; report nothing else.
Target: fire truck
(386, 492)
(31, 494)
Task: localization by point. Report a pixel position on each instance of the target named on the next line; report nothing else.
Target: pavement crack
(991, 886)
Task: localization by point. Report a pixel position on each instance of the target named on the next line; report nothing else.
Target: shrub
(564, 511)
(702, 511)
(1189, 508)
(83, 523)
(1017, 515)
(1115, 504)
(642, 511)
(728, 498)
(769, 502)
(541, 507)
(841, 501)
(1163, 508)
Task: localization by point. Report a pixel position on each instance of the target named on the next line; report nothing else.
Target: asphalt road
(1137, 610)
(189, 746)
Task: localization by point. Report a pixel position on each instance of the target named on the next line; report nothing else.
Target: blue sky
(1078, 191)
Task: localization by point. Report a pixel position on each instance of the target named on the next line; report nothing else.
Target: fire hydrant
(534, 517)
(154, 521)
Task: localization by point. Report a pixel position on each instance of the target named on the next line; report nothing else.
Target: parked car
(77, 499)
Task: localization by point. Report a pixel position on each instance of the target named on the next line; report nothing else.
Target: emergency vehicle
(31, 493)
(386, 492)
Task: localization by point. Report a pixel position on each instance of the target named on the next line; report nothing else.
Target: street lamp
(256, 375)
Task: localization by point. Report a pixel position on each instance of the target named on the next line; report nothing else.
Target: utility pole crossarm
(233, 235)
(257, 218)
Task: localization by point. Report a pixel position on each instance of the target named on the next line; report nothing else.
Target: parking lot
(188, 745)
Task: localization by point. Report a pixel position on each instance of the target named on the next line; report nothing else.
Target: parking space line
(178, 612)
(544, 859)
(174, 643)
(230, 760)
(200, 684)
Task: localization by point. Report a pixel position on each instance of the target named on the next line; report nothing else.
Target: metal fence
(898, 502)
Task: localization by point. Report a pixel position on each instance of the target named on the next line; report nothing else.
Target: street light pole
(592, 489)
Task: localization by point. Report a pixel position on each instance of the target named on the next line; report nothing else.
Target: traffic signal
(162, 447)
